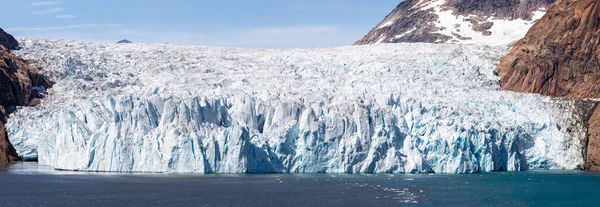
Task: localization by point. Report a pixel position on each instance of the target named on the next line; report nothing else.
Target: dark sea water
(28, 184)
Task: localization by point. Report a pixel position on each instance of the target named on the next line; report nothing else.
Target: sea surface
(28, 184)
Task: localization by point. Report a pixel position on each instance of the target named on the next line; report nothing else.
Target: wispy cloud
(53, 10)
(46, 3)
(63, 27)
(66, 16)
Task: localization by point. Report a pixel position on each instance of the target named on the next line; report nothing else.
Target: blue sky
(232, 23)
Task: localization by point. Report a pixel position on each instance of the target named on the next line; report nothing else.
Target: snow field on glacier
(401, 108)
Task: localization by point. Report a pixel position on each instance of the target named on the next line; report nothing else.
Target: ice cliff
(370, 109)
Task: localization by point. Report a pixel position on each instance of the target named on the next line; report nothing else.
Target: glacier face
(402, 108)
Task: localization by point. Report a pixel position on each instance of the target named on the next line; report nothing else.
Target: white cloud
(66, 16)
(46, 3)
(63, 27)
(53, 10)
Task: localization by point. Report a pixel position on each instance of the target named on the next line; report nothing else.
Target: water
(28, 184)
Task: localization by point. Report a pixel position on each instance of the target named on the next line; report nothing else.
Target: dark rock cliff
(20, 85)
(8, 40)
(592, 152)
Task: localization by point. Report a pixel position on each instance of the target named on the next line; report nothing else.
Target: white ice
(401, 108)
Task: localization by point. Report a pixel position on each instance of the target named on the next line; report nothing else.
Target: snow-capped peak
(458, 21)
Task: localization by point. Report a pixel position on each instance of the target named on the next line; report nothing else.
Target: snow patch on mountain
(386, 24)
(501, 32)
(461, 27)
(403, 108)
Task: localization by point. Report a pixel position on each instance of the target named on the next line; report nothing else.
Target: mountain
(394, 108)
(8, 40)
(493, 22)
(123, 41)
(560, 56)
(20, 85)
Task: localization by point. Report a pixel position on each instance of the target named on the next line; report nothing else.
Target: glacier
(388, 108)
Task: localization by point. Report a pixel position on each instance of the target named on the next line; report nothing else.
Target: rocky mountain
(123, 41)
(8, 40)
(495, 22)
(20, 84)
(560, 56)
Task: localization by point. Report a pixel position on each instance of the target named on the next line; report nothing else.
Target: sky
(229, 23)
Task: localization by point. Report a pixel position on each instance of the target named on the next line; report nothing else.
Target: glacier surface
(401, 108)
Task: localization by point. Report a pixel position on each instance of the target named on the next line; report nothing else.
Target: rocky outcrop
(7, 151)
(20, 85)
(560, 55)
(8, 40)
(592, 153)
(462, 21)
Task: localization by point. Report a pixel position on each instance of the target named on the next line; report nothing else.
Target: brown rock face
(560, 55)
(8, 40)
(7, 151)
(415, 20)
(592, 154)
(20, 84)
